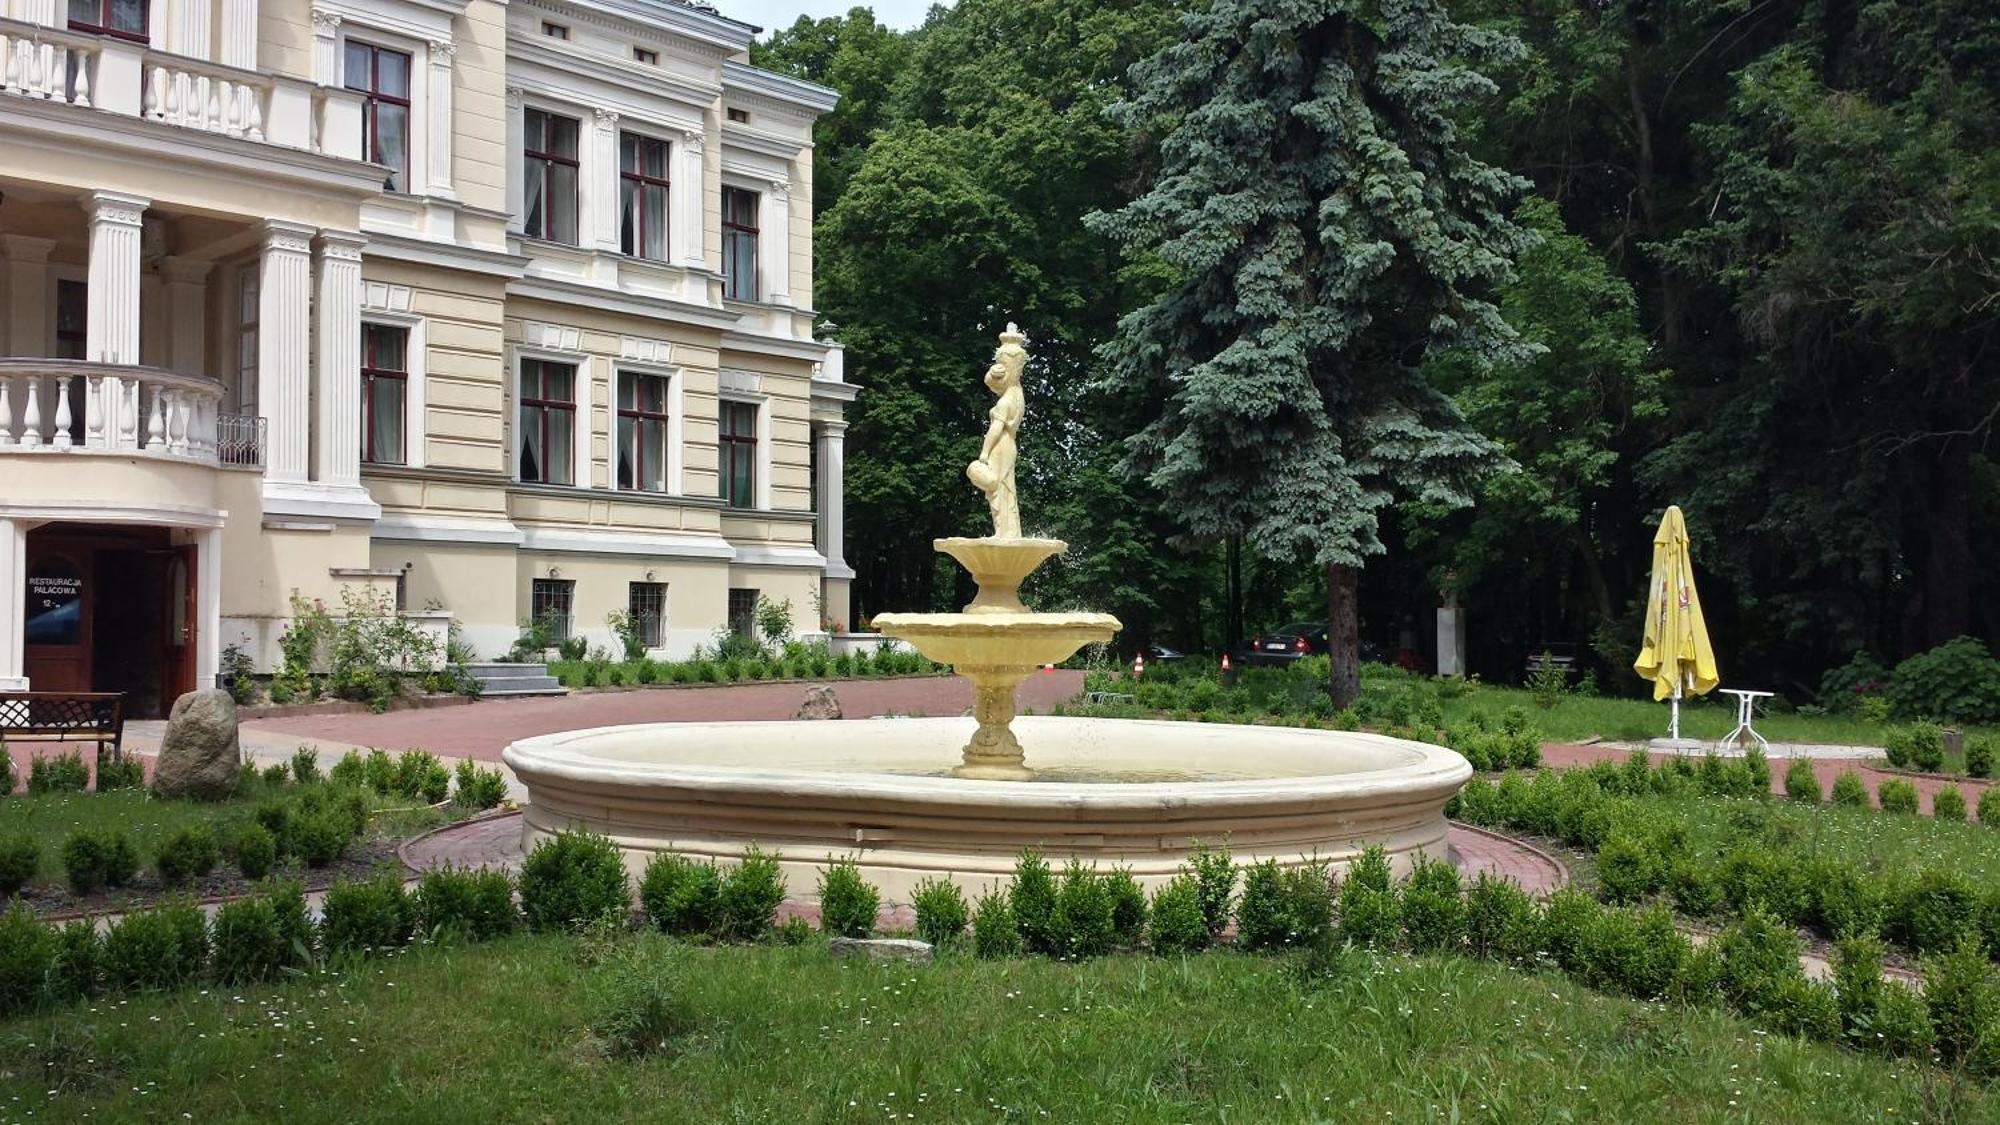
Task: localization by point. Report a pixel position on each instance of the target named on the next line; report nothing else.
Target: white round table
(1746, 709)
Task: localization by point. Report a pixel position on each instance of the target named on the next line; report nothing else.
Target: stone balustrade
(57, 405)
(116, 76)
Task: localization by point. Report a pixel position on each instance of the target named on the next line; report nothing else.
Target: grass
(51, 819)
(1871, 838)
(1577, 717)
(501, 1033)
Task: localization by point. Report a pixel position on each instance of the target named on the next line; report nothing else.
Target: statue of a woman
(993, 473)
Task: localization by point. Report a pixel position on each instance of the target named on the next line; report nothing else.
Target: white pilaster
(774, 244)
(689, 198)
(208, 594)
(516, 205)
(284, 334)
(112, 331)
(239, 33)
(598, 181)
(326, 47)
(190, 28)
(441, 53)
(337, 330)
(13, 606)
(832, 437)
(186, 279)
(676, 434)
(27, 293)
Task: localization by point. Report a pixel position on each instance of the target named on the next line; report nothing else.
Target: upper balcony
(214, 110)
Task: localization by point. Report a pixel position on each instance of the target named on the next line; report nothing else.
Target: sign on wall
(55, 603)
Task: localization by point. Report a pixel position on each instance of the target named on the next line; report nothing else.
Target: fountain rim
(1429, 769)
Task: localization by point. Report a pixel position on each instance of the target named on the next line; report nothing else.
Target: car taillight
(1301, 645)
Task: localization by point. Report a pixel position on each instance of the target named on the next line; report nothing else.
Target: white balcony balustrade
(56, 406)
(116, 76)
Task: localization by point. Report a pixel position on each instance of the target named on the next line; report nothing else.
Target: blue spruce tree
(1322, 230)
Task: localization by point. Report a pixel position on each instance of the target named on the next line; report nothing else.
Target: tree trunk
(1947, 576)
(1343, 635)
(1232, 611)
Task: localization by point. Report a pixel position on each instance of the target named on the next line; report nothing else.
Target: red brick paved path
(483, 729)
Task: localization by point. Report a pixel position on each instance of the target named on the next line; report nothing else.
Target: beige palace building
(503, 309)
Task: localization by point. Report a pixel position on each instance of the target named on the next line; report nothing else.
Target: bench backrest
(87, 713)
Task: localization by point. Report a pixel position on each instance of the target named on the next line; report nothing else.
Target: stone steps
(506, 681)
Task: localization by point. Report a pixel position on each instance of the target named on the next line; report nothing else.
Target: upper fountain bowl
(999, 566)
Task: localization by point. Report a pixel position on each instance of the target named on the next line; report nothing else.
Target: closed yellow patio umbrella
(1676, 655)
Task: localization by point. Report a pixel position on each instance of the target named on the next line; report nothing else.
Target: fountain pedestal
(996, 642)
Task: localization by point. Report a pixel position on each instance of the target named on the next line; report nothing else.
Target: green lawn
(1579, 717)
(1877, 841)
(501, 1033)
(50, 819)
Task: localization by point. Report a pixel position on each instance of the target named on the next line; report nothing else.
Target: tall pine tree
(1323, 230)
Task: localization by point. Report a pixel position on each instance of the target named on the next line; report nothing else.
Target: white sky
(774, 14)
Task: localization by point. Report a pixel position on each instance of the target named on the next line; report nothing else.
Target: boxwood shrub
(751, 891)
(572, 880)
(847, 904)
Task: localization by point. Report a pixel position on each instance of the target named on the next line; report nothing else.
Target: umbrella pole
(1674, 723)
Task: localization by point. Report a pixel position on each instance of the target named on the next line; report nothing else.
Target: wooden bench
(65, 716)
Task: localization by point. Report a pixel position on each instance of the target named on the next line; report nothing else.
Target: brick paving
(481, 730)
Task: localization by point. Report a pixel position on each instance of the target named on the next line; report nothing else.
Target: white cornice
(401, 248)
(739, 341)
(795, 92)
(650, 544)
(538, 68)
(52, 130)
(713, 36)
(610, 300)
(770, 144)
(445, 529)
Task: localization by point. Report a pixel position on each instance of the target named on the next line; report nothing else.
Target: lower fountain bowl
(1107, 791)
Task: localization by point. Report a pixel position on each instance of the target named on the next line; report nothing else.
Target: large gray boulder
(199, 757)
(820, 703)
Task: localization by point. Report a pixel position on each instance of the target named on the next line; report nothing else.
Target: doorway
(112, 608)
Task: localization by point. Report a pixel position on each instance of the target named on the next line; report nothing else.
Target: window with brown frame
(549, 602)
(549, 172)
(646, 605)
(642, 200)
(548, 422)
(121, 19)
(385, 391)
(646, 55)
(384, 76)
(739, 244)
(642, 432)
(736, 438)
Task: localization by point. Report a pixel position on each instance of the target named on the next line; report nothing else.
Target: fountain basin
(998, 640)
(1135, 793)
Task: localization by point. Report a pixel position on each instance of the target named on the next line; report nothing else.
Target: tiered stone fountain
(1136, 793)
(998, 641)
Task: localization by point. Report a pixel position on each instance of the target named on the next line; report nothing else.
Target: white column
(186, 280)
(112, 331)
(441, 54)
(690, 194)
(190, 28)
(13, 605)
(598, 226)
(516, 205)
(284, 353)
(326, 47)
(27, 293)
(832, 437)
(208, 607)
(337, 330)
(774, 244)
(239, 33)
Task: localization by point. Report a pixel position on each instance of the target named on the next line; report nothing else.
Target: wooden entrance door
(59, 595)
(182, 625)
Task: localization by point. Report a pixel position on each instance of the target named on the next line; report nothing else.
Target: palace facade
(502, 311)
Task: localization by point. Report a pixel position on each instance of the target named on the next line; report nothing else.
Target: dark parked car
(1282, 646)
(1161, 654)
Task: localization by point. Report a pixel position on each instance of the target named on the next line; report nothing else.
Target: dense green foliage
(1759, 286)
